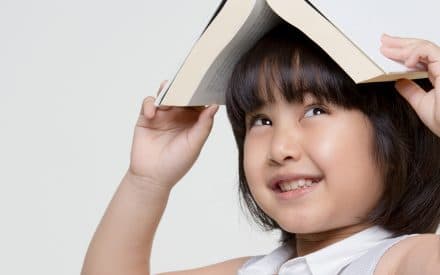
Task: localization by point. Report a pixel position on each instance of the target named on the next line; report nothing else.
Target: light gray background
(72, 78)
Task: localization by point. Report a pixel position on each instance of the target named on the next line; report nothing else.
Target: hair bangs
(292, 71)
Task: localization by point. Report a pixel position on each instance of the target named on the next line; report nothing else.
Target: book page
(363, 22)
(216, 77)
(193, 36)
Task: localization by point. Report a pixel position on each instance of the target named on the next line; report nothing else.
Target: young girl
(349, 173)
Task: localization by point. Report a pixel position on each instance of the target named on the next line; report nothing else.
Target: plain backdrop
(73, 75)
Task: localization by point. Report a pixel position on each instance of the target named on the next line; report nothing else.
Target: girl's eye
(258, 120)
(314, 111)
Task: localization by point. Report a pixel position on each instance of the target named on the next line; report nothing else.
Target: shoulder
(419, 254)
(223, 268)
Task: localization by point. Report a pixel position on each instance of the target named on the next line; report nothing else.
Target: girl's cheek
(251, 146)
(321, 141)
(325, 145)
(255, 151)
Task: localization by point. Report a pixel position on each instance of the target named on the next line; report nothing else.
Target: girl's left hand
(416, 53)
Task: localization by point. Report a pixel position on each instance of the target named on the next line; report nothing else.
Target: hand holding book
(167, 141)
(416, 53)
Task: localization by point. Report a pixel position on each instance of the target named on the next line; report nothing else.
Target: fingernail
(214, 110)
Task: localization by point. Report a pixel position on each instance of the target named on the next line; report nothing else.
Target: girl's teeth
(302, 183)
(283, 187)
(292, 186)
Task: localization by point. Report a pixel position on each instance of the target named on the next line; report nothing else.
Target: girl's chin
(304, 228)
(314, 228)
(301, 229)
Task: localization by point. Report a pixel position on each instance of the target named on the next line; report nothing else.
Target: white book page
(193, 36)
(363, 22)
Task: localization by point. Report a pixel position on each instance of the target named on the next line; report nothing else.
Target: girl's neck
(311, 242)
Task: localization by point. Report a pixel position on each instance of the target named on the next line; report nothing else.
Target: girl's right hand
(167, 141)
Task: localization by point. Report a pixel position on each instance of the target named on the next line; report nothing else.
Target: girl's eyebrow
(248, 115)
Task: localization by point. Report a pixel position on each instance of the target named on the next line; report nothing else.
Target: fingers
(397, 48)
(410, 51)
(418, 53)
(395, 41)
(191, 124)
(425, 52)
(211, 111)
(414, 53)
(412, 92)
(206, 114)
(426, 105)
(397, 54)
(200, 132)
(148, 109)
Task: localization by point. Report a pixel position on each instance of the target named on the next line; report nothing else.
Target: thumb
(412, 92)
(201, 129)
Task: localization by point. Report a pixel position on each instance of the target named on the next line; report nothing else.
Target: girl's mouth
(296, 184)
(295, 189)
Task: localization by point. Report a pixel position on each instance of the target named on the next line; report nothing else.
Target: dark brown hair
(405, 150)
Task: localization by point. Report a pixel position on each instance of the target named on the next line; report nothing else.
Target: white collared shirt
(329, 260)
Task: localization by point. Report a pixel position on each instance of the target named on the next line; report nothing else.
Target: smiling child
(350, 174)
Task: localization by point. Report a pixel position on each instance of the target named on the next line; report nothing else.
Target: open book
(348, 30)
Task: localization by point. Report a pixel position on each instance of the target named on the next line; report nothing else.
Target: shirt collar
(333, 258)
(328, 260)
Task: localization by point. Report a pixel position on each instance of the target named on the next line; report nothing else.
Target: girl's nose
(285, 146)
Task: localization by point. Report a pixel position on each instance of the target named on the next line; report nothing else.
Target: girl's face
(322, 142)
